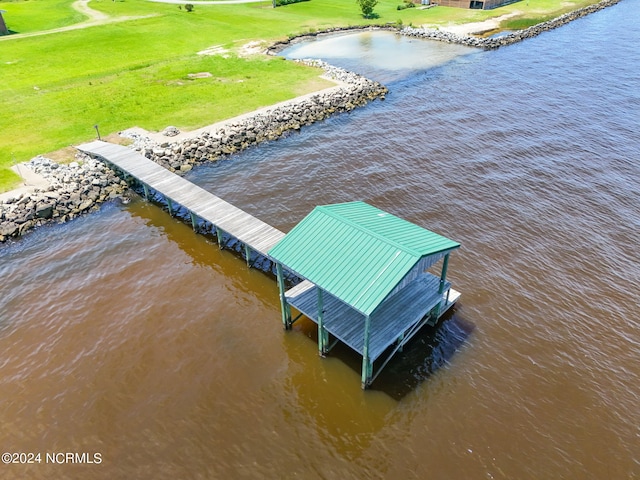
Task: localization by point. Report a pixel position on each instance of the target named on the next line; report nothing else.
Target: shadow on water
(425, 354)
(156, 216)
(428, 351)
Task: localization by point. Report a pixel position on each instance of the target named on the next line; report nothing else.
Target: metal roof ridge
(370, 232)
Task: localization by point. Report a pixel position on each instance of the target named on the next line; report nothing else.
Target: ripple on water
(127, 333)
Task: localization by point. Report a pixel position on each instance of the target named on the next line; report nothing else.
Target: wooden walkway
(252, 232)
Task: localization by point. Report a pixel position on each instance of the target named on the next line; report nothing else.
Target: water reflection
(328, 396)
(380, 55)
(175, 365)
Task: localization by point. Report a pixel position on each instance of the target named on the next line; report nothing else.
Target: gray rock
(53, 195)
(84, 205)
(92, 196)
(25, 227)
(44, 210)
(25, 218)
(170, 132)
(8, 229)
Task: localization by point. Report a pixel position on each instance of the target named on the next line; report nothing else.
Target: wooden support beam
(219, 237)
(443, 275)
(402, 341)
(367, 365)
(194, 221)
(435, 315)
(145, 187)
(247, 254)
(169, 205)
(323, 335)
(284, 305)
(333, 344)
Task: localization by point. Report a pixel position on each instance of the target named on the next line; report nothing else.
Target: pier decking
(397, 314)
(252, 232)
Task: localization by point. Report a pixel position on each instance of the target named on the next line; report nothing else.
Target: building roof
(357, 252)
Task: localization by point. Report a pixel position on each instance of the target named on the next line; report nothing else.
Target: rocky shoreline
(467, 40)
(510, 38)
(354, 91)
(81, 187)
(74, 189)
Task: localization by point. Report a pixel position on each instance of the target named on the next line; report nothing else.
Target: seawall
(354, 91)
(80, 187)
(510, 38)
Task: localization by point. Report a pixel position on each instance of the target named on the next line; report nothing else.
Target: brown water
(125, 334)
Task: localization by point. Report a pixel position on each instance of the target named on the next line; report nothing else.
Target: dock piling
(323, 335)
(285, 309)
(194, 221)
(169, 205)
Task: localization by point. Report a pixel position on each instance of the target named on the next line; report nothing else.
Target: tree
(367, 8)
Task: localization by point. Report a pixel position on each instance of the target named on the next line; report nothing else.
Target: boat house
(366, 282)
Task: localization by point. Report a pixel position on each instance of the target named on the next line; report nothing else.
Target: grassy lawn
(34, 16)
(533, 12)
(56, 87)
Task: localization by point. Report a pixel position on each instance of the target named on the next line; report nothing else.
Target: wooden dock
(371, 289)
(253, 233)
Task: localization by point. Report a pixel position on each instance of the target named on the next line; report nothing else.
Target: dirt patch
(67, 155)
(200, 75)
(253, 48)
(248, 49)
(215, 50)
(117, 139)
(478, 28)
(64, 155)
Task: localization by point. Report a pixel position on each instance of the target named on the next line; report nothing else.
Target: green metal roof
(356, 252)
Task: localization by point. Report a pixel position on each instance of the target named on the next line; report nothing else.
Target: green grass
(25, 16)
(7, 177)
(56, 87)
(533, 12)
(522, 23)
